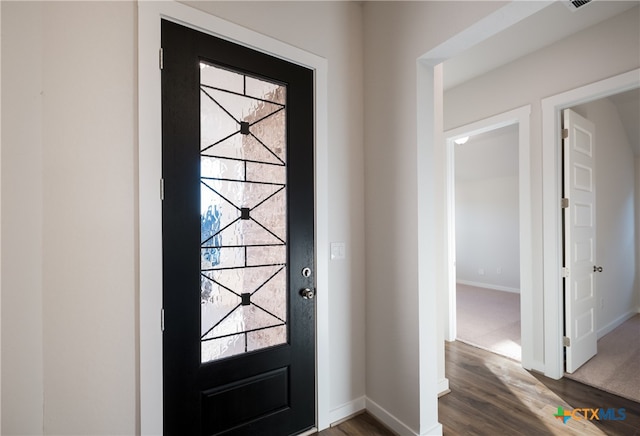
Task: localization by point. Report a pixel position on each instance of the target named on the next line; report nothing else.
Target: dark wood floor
(360, 425)
(493, 395)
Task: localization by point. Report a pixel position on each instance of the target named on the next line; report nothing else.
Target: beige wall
(89, 232)
(580, 59)
(637, 191)
(487, 227)
(22, 219)
(396, 34)
(69, 283)
(0, 221)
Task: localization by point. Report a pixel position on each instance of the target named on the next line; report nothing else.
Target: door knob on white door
(597, 268)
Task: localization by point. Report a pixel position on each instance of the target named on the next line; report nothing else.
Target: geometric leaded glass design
(243, 283)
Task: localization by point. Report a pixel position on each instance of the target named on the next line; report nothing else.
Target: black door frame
(150, 271)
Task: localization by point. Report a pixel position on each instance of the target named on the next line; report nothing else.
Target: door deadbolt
(306, 272)
(307, 293)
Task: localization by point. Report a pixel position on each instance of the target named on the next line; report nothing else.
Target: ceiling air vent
(575, 4)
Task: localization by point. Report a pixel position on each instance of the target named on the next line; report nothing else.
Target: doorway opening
(483, 200)
(611, 304)
(487, 257)
(552, 107)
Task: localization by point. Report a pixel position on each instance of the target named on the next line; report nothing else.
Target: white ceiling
(551, 24)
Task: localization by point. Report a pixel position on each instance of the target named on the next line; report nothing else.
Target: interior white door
(580, 239)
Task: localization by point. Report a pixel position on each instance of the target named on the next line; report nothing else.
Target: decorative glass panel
(243, 213)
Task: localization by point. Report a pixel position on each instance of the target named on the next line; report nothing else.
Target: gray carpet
(616, 367)
(489, 319)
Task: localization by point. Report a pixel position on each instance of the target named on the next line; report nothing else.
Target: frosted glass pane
(248, 149)
(241, 280)
(270, 131)
(266, 338)
(243, 318)
(243, 214)
(212, 167)
(223, 347)
(222, 212)
(216, 77)
(269, 212)
(222, 257)
(248, 233)
(266, 90)
(276, 254)
(257, 172)
(215, 123)
(269, 297)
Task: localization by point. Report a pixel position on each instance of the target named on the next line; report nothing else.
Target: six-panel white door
(580, 240)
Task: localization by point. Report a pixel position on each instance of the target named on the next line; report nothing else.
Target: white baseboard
(443, 387)
(615, 323)
(347, 410)
(436, 430)
(489, 286)
(388, 419)
(537, 366)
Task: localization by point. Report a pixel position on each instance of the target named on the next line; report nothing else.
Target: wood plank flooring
(493, 395)
(360, 425)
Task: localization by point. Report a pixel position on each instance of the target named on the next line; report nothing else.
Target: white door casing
(580, 239)
(520, 116)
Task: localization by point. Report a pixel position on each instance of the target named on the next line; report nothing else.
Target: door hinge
(565, 271)
(565, 133)
(566, 342)
(161, 58)
(161, 189)
(162, 319)
(564, 203)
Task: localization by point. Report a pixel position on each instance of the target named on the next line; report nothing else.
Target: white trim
(551, 225)
(488, 286)
(615, 323)
(429, 122)
(0, 219)
(391, 421)
(450, 311)
(347, 410)
(537, 366)
(443, 387)
(521, 117)
(149, 161)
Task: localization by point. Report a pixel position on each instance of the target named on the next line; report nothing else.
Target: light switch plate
(338, 250)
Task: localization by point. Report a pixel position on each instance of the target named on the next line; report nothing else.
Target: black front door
(238, 265)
